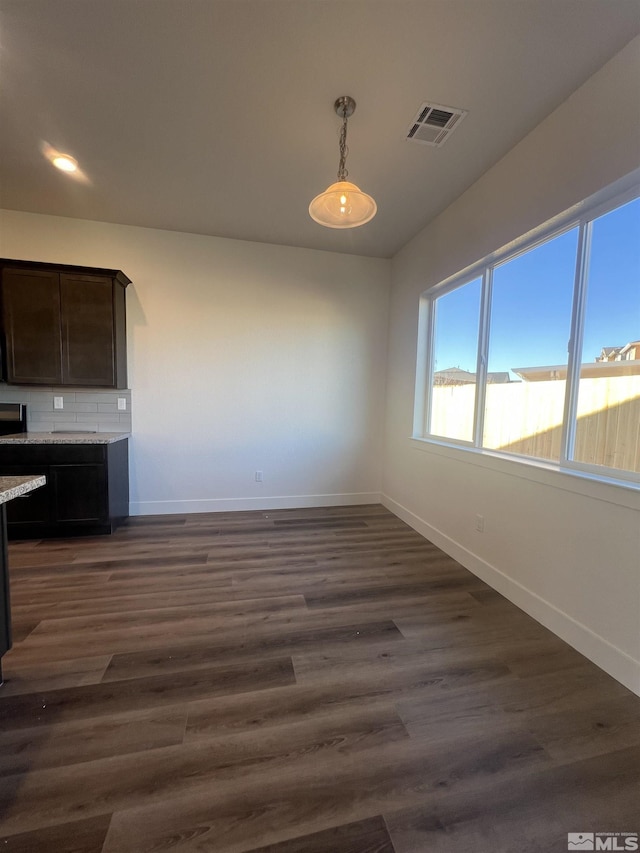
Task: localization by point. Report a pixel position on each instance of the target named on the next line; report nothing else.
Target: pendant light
(343, 204)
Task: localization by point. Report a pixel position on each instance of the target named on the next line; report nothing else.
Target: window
(455, 351)
(537, 354)
(527, 364)
(608, 414)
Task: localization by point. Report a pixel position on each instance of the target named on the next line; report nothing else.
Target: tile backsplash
(87, 408)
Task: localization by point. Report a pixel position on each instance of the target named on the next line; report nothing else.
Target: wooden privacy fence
(526, 418)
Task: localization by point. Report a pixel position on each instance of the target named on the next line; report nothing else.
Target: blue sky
(532, 299)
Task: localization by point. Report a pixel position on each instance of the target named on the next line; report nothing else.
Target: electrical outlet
(122, 404)
(480, 523)
(258, 476)
(58, 402)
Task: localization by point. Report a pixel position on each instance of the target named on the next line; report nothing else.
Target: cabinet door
(87, 330)
(31, 311)
(79, 492)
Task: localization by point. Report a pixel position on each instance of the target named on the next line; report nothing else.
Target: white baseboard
(243, 504)
(604, 654)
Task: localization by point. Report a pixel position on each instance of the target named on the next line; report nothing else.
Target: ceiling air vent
(434, 124)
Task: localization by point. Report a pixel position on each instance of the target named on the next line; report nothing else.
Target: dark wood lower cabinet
(87, 489)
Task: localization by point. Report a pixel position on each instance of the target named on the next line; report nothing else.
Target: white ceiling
(216, 116)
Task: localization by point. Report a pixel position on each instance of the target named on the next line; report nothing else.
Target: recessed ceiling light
(65, 163)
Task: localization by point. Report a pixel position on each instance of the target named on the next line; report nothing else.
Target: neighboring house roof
(605, 352)
(629, 346)
(457, 376)
(498, 377)
(612, 353)
(453, 375)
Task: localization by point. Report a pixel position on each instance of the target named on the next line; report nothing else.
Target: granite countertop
(64, 437)
(13, 487)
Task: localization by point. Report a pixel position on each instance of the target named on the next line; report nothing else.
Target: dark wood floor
(321, 680)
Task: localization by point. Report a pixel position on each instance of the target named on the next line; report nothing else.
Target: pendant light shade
(343, 204)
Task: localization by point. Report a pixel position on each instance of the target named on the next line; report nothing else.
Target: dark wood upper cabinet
(31, 314)
(87, 329)
(63, 325)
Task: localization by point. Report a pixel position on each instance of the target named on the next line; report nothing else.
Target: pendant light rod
(345, 107)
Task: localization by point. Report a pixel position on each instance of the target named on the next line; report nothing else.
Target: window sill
(621, 492)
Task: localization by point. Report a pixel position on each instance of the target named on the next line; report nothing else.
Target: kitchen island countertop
(64, 437)
(15, 487)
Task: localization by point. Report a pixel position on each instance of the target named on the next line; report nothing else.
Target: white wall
(565, 550)
(242, 357)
